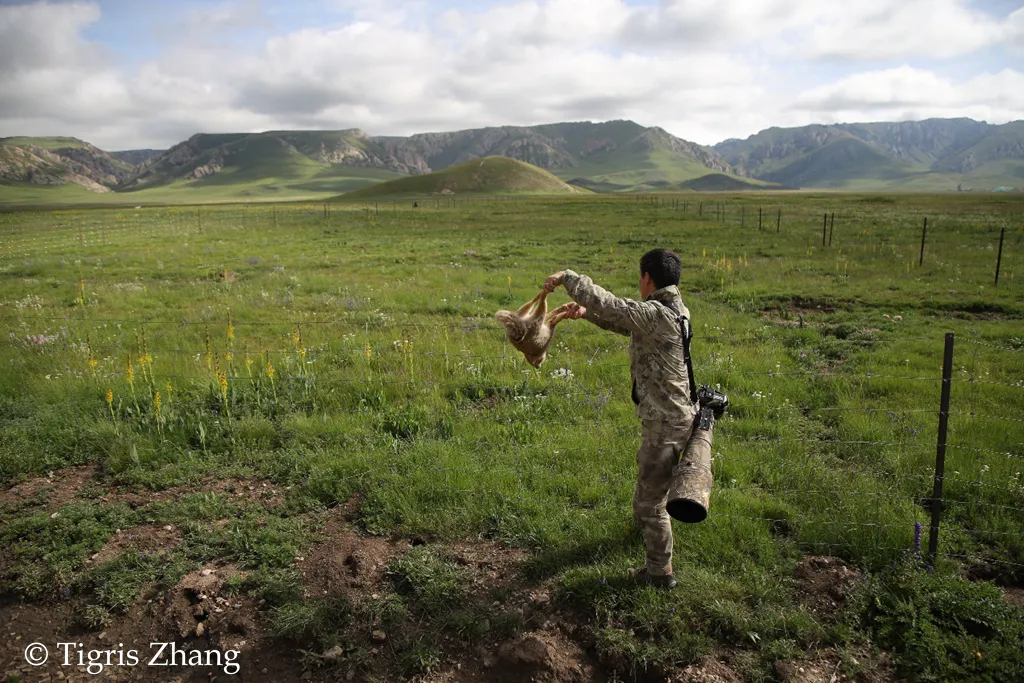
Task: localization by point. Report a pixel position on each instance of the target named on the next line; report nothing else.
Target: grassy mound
(490, 175)
(720, 182)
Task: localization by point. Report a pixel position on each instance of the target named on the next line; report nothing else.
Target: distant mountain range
(907, 155)
(936, 154)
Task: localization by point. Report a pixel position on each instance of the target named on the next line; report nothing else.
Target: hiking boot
(642, 577)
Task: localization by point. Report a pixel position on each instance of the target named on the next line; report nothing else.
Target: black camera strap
(686, 331)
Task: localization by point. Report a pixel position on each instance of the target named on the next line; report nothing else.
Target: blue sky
(149, 73)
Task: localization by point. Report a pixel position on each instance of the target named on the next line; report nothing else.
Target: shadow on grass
(554, 560)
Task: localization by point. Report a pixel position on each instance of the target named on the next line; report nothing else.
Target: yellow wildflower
(92, 361)
(209, 355)
(110, 396)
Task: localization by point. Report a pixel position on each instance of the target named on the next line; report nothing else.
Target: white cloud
(878, 30)
(48, 70)
(865, 30)
(703, 69)
(915, 93)
(1015, 28)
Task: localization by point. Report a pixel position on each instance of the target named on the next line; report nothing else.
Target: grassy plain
(349, 360)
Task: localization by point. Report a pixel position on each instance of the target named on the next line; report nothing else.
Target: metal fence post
(924, 231)
(999, 258)
(940, 452)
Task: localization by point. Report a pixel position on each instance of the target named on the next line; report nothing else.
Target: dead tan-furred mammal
(530, 328)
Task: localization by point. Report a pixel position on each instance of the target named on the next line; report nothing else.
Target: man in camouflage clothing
(661, 388)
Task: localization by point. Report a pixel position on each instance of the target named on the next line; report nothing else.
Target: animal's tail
(514, 325)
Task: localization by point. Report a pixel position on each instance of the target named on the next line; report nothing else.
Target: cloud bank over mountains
(704, 70)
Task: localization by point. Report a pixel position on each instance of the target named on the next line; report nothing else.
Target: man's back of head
(663, 265)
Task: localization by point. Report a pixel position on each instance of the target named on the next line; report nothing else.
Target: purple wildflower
(917, 538)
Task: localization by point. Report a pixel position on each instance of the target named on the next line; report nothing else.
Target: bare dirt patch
(262, 661)
(149, 539)
(541, 656)
(1014, 596)
(258, 491)
(828, 667)
(346, 562)
(61, 487)
(824, 584)
(547, 656)
(198, 606)
(821, 671)
(54, 490)
(1002, 573)
(710, 670)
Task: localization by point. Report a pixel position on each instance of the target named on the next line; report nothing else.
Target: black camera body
(712, 405)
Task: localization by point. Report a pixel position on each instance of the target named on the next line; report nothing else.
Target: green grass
(391, 379)
(21, 194)
(44, 142)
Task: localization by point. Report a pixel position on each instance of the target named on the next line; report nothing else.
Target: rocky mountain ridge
(830, 155)
(610, 154)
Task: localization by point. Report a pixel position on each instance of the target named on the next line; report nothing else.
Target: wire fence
(838, 456)
(895, 230)
(840, 474)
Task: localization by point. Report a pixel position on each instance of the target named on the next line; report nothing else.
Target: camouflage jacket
(661, 385)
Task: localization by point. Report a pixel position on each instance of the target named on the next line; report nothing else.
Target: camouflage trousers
(658, 454)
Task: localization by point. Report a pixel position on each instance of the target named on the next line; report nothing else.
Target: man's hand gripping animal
(530, 328)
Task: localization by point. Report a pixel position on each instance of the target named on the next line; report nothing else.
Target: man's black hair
(663, 265)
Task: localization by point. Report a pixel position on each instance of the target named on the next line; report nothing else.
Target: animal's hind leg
(542, 306)
(525, 308)
(556, 316)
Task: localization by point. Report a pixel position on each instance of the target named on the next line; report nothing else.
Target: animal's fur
(531, 327)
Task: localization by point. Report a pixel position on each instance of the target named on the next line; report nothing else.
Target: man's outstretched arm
(624, 314)
(604, 324)
(576, 312)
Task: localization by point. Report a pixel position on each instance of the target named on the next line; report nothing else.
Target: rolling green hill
(490, 175)
(720, 182)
